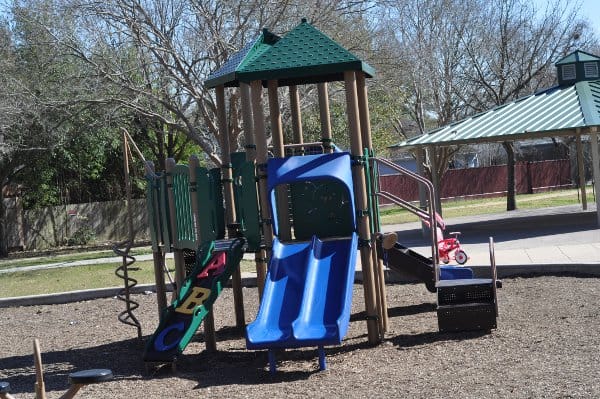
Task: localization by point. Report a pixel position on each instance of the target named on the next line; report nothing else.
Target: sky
(591, 10)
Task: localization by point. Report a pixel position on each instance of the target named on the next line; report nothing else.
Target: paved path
(562, 235)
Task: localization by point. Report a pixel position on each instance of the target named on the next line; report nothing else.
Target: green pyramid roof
(304, 55)
(227, 74)
(577, 56)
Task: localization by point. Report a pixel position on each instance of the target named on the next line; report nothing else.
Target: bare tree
(461, 57)
(511, 53)
(154, 55)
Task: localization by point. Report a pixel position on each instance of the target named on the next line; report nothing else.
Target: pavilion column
(581, 168)
(296, 116)
(325, 117)
(360, 192)
(260, 137)
(367, 141)
(230, 216)
(595, 168)
(420, 164)
(281, 192)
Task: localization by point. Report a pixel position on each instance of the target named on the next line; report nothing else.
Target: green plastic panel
(321, 208)
(211, 213)
(158, 212)
(186, 235)
(246, 199)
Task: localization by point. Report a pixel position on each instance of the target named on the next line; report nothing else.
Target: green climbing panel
(246, 199)
(158, 211)
(211, 213)
(185, 236)
(320, 208)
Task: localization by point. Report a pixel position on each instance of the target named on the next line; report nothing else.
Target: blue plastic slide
(307, 296)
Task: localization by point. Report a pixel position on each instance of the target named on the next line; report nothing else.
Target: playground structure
(78, 379)
(303, 215)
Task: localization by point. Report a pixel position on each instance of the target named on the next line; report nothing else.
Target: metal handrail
(430, 215)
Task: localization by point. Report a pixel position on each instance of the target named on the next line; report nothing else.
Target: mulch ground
(547, 345)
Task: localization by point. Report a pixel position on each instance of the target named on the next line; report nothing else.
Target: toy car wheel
(461, 257)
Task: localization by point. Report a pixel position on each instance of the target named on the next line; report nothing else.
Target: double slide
(307, 296)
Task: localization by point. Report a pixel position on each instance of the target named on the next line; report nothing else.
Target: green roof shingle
(304, 55)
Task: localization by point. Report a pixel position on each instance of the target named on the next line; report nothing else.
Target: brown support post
(177, 252)
(230, 217)
(247, 121)
(261, 164)
(580, 169)
(260, 256)
(367, 141)
(296, 116)
(282, 204)
(209, 321)
(158, 258)
(324, 115)
(360, 193)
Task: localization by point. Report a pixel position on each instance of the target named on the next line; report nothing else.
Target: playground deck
(546, 345)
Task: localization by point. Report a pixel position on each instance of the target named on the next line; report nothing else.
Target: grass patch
(469, 207)
(70, 257)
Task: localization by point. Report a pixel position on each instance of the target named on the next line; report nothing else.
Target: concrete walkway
(541, 241)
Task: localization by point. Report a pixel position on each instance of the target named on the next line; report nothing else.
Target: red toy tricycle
(449, 248)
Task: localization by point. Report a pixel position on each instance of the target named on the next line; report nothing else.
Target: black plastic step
(467, 317)
(465, 291)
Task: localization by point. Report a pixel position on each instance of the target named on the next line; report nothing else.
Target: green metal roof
(577, 56)
(551, 112)
(304, 55)
(227, 74)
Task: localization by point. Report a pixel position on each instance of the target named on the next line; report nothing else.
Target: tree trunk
(511, 202)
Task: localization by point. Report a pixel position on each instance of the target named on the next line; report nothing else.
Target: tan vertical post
(360, 193)
(581, 169)
(324, 115)
(247, 121)
(260, 257)
(40, 387)
(209, 321)
(367, 141)
(158, 259)
(296, 115)
(177, 253)
(230, 217)
(260, 137)
(278, 149)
